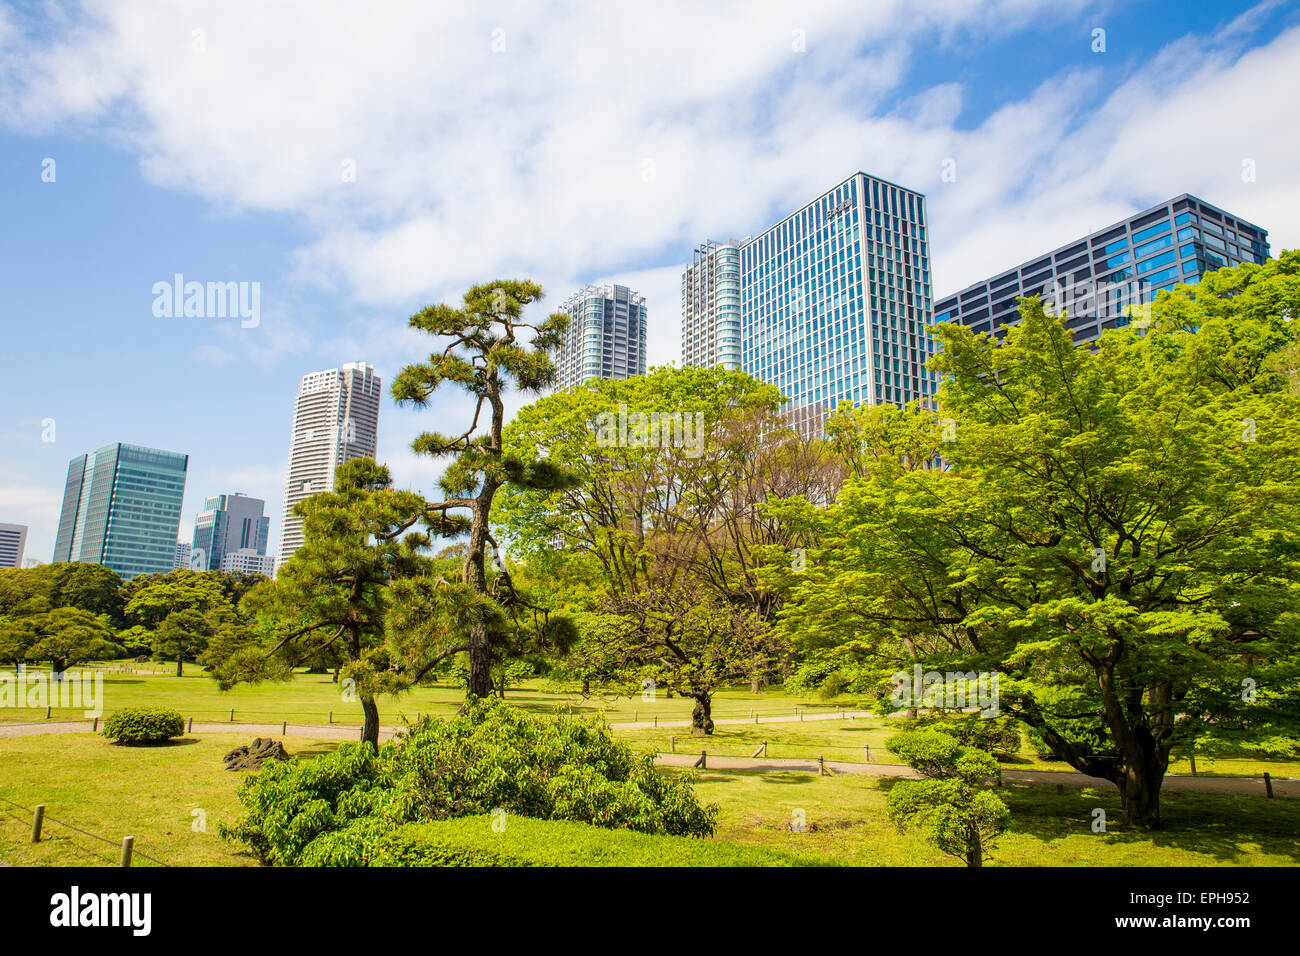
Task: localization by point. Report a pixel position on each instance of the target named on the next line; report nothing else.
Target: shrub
(144, 725)
(333, 809)
(997, 735)
(473, 841)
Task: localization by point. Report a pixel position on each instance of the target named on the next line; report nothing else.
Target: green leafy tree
(337, 590)
(482, 351)
(68, 635)
(1116, 533)
(953, 807)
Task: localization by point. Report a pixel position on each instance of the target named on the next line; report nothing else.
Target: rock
(255, 754)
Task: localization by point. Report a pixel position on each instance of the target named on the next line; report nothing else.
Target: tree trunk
(753, 684)
(586, 685)
(976, 857)
(180, 666)
(701, 719)
(337, 667)
(370, 729)
(480, 672)
(1140, 793)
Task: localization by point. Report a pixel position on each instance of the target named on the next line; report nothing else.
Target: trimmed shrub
(333, 809)
(144, 725)
(472, 841)
(999, 736)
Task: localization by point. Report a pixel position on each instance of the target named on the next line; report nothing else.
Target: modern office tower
(248, 561)
(711, 306)
(1097, 278)
(13, 541)
(335, 419)
(122, 508)
(606, 337)
(182, 554)
(835, 301)
(228, 523)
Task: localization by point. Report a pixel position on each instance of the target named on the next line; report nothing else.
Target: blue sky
(566, 143)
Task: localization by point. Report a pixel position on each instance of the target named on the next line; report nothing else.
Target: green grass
(151, 793)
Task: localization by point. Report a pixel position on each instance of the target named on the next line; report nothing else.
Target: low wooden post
(47, 712)
(37, 821)
(284, 728)
(94, 726)
(821, 766)
(1268, 784)
(232, 715)
(128, 847)
(190, 726)
(703, 762)
(866, 752)
(656, 720)
(672, 745)
(331, 716)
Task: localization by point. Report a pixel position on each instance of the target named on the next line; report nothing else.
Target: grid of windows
(835, 301)
(606, 337)
(1095, 279)
(711, 307)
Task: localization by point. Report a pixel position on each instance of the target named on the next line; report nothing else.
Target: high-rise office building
(835, 301)
(606, 335)
(182, 554)
(1095, 280)
(122, 508)
(248, 561)
(711, 307)
(335, 419)
(13, 541)
(226, 524)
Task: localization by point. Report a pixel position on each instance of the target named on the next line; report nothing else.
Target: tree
(337, 590)
(68, 635)
(674, 471)
(484, 355)
(951, 806)
(1116, 534)
(153, 597)
(183, 635)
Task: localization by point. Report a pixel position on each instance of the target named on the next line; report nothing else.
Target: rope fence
(40, 818)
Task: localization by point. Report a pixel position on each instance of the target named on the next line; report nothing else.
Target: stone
(255, 754)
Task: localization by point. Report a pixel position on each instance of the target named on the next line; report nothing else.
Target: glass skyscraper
(122, 508)
(606, 337)
(835, 301)
(228, 523)
(1095, 280)
(711, 307)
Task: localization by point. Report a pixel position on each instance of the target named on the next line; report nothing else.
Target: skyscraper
(182, 554)
(835, 301)
(335, 419)
(711, 306)
(606, 337)
(13, 540)
(226, 524)
(122, 508)
(1097, 278)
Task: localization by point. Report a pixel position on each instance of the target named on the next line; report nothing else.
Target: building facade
(835, 301)
(606, 337)
(13, 541)
(335, 419)
(122, 509)
(711, 307)
(1099, 279)
(228, 523)
(248, 561)
(182, 554)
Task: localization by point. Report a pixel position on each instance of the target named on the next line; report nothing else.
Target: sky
(359, 162)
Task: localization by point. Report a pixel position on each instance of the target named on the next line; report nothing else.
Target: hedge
(144, 725)
(524, 841)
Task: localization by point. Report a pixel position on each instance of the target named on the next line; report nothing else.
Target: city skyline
(347, 241)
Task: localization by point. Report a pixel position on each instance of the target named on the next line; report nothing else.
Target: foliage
(949, 807)
(333, 808)
(143, 725)
(1115, 532)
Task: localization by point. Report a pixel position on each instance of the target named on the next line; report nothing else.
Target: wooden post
(47, 712)
(37, 820)
(656, 720)
(331, 716)
(703, 762)
(128, 847)
(634, 715)
(190, 727)
(94, 726)
(1268, 784)
(232, 715)
(284, 728)
(866, 752)
(821, 766)
(672, 745)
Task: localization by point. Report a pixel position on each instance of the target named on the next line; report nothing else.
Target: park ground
(172, 798)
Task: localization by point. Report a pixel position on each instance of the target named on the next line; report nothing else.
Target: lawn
(152, 793)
